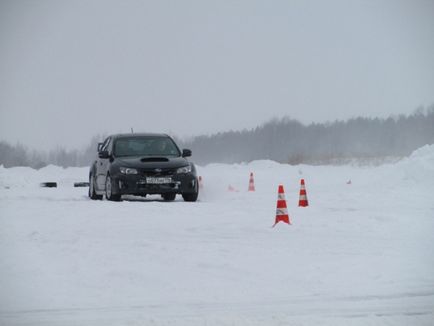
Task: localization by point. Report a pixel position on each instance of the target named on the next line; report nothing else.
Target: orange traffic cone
(281, 210)
(200, 183)
(251, 183)
(303, 197)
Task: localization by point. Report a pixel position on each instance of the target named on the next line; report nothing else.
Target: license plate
(159, 180)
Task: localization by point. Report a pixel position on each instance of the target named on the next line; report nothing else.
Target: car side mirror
(186, 152)
(99, 147)
(104, 154)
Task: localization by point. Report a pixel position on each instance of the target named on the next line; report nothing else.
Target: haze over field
(70, 70)
(360, 140)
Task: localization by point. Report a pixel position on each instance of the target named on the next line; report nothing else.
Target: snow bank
(418, 168)
(420, 160)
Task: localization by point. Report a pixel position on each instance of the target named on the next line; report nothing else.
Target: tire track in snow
(354, 307)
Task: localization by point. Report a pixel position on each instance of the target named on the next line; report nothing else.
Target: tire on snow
(81, 184)
(109, 195)
(169, 196)
(192, 197)
(92, 194)
(49, 185)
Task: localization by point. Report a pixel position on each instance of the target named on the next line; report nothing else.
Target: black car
(142, 164)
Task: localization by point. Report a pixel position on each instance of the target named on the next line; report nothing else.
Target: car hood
(152, 162)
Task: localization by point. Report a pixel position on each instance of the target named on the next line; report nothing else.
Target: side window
(110, 146)
(104, 146)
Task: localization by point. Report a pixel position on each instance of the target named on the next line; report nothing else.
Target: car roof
(143, 134)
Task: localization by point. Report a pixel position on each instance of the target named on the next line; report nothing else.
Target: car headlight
(128, 170)
(184, 169)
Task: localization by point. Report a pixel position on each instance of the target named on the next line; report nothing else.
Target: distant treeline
(289, 141)
(282, 140)
(19, 155)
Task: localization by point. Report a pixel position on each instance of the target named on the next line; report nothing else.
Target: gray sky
(73, 69)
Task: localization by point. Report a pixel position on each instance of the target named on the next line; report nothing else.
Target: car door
(102, 165)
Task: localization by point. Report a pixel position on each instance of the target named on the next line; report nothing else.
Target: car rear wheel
(169, 196)
(92, 194)
(109, 195)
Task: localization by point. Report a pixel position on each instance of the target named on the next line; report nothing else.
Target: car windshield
(145, 146)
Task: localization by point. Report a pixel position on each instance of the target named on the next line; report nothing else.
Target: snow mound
(424, 155)
(418, 167)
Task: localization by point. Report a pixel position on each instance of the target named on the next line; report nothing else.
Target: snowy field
(360, 254)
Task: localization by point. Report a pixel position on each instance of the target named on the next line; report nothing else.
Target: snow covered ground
(360, 254)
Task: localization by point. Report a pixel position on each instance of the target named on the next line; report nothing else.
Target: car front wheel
(109, 195)
(193, 195)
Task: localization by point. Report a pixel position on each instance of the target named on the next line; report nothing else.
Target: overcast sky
(73, 69)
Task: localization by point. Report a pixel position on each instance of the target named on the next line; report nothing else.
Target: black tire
(92, 193)
(81, 184)
(49, 184)
(109, 195)
(169, 196)
(192, 197)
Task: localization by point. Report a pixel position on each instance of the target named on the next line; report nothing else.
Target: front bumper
(137, 185)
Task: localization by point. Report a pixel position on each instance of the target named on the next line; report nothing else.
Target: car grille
(154, 173)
